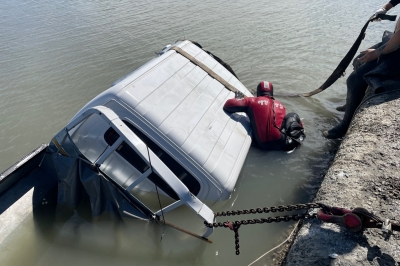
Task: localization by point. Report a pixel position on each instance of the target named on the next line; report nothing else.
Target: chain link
(286, 218)
(236, 229)
(277, 219)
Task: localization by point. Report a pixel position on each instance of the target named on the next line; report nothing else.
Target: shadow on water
(64, 231)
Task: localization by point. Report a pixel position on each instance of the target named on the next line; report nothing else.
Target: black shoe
(341, 108)
(336, 133)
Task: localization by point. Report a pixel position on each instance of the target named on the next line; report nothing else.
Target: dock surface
(364, 173)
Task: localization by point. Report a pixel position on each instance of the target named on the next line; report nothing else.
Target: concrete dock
(364, 173)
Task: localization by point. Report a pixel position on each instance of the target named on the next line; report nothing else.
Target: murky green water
(57, 55)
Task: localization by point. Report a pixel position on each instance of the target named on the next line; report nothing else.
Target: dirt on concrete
(364, 173)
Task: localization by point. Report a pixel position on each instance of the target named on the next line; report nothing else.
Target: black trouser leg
(356, 87)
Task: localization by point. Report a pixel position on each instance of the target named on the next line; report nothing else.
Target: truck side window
(190, 182)
(125, 151)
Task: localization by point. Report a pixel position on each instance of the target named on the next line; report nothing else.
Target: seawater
(57, 55)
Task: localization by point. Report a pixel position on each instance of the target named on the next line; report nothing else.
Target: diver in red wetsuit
(272, 128)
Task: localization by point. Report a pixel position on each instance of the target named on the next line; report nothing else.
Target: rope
(287, 239)
(206, 69)
(159, 201)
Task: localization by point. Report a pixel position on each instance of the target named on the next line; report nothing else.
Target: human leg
(356, 87)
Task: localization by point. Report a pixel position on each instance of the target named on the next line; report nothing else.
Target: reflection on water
(57, 55)
(65, 236)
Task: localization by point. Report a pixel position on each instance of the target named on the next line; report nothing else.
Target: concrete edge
(364, 173)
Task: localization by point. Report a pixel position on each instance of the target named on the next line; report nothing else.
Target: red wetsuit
(259, 110)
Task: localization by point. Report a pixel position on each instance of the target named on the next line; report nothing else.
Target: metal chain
(363, 212)
(280, 208)
(286, 218)
(277, 219)
(236, 230)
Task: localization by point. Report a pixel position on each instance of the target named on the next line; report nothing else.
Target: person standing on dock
(272, 128)
(379, 62)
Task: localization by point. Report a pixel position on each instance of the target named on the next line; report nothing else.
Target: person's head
(293, 128)
(265, 88)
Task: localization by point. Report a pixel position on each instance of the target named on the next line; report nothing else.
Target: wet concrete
(364, 173)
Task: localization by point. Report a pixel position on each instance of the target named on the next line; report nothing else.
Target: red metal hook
(342, 217)
(229, 224)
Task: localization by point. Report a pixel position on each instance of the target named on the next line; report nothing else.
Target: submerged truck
(159, 132)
